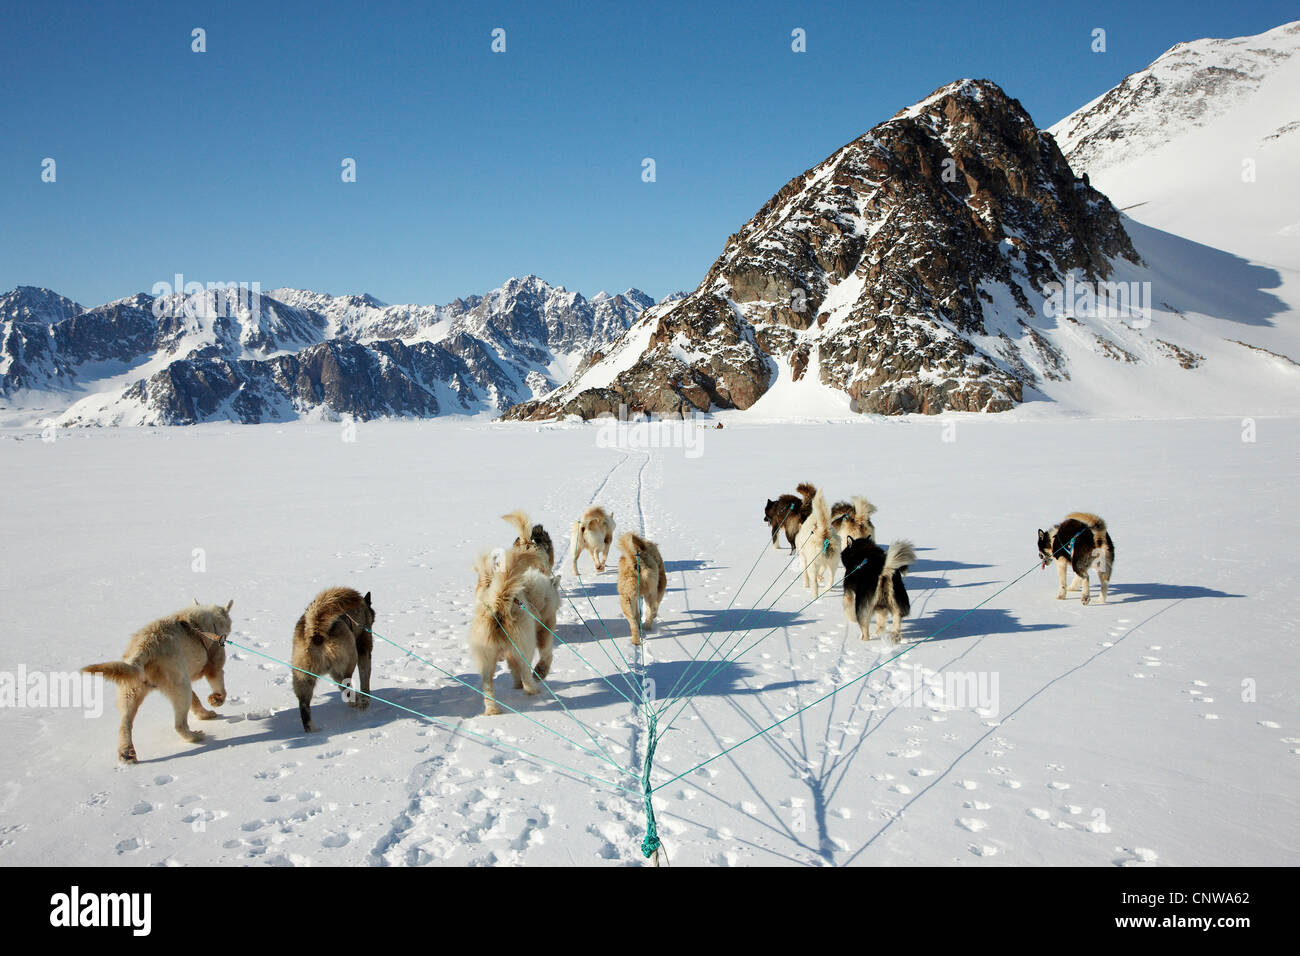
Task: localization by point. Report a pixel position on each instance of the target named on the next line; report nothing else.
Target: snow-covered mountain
(951, 259)
(1204, 143)
(290, 353)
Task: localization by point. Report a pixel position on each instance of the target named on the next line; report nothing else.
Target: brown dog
(641, 577)
(787, 513)
(332, 639)
(170, 654)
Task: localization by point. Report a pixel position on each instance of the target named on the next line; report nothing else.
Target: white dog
(818, 543)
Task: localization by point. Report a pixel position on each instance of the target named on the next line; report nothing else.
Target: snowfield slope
(1203, 143)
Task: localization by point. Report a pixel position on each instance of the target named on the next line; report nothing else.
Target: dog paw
(1085, 599)
(208, 715)
(127, 755)
(362, 702)
(216, 700)
(531, 690)
(491, 710)
(1060, 595)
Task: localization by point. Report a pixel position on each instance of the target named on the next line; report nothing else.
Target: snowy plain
(1162, 727)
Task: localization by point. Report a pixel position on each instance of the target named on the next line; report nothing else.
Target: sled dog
(641, 577)
(788, 512)
(515, 605)
(169, 654)
(593, 532)
(852, 519)
(873, 585)
(819, 546)
(332, 639)
(1080, 542)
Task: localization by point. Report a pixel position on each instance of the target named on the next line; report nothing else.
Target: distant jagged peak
(27, 303)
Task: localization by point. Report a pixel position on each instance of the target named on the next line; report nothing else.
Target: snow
(620, 357)
(1185, 165)
(1161, 727)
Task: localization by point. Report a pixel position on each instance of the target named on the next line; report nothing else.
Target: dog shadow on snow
(332, 716)
(824, 760)
(1125, 593)
(727, 623)
(930, 575)
(950, 623)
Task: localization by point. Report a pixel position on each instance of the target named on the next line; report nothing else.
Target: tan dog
(514, 618)
(532, 536)
(641, 577)
(332, 639)
(170, 654)
(594, 532)
(852, 519)
(819, 546)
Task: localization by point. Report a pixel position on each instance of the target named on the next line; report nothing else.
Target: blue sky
(474, 166)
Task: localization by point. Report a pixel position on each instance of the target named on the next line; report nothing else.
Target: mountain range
(289, 353)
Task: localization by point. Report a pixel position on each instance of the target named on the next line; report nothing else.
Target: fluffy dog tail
(633, 545)
(597, 517)
(808, 490)
(505, 585)
(317, 625)
(519, 520)
(1102, 546)
(120, 672)
(862, 509)
(900, 556)
(328, 607)
(821, 515)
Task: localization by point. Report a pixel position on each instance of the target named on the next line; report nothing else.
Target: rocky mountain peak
(873, 270)
(29, 303)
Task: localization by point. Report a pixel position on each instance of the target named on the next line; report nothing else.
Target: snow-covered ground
(1203, 143)
(1161, 727)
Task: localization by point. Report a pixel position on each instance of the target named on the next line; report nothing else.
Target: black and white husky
(1080, 542)
(873, 584)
